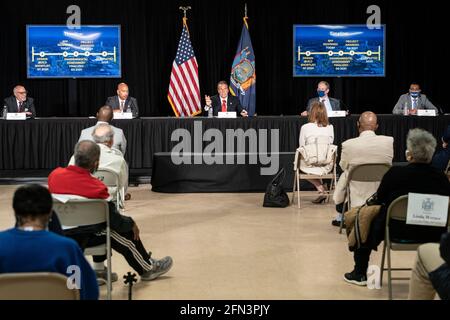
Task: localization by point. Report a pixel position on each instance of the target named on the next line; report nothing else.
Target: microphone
(347, 108)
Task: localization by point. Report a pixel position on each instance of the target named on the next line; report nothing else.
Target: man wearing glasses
(20, 103)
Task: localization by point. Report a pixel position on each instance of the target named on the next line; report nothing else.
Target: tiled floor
(227, 246)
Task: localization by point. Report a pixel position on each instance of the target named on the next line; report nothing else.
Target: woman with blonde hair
(316, 139)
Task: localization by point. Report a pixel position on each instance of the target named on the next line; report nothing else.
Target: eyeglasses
(23, 92)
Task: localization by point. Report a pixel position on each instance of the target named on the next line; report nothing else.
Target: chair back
(82, 212)
(108, 177)
(398, 210)
(368, 172)
(36, 286)
(318, 151)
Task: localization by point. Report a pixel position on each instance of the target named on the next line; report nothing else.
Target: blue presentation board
(339, 51)
(55, 51)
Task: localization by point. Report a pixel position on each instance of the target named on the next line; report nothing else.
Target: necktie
(20, 106)
(415, 103)
(121, 105)
(224, 106)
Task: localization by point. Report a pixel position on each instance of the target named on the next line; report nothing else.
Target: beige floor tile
(227, 246)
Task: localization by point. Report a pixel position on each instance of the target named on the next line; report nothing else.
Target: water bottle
(210, 112)
(5, 112)
(405, 109)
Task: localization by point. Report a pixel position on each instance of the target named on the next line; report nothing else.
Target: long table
(46, 143)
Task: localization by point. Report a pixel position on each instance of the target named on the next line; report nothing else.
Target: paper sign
(16, 116)
(427, 210)
(231, 114)
(426, 113)
(337, 114)
(123, 115)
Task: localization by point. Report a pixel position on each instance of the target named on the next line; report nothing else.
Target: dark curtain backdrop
(151, 30)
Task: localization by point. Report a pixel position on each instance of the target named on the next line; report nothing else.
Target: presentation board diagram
(87, 52)
(333, 51)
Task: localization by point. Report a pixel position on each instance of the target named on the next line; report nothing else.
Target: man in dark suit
(224, 102)
(331, 104)
(123, 102)
(20, 103)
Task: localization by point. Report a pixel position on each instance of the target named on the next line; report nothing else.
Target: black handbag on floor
(275, 195)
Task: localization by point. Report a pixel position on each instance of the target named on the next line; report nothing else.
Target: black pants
(361, 257)
(339, 207)
(133, 251)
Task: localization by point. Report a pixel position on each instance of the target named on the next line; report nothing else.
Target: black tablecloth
(48, 143)
(227, 177)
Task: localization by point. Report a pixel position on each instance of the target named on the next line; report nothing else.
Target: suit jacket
(233, 104)
(422, 103)
(120, 142)
(131, 103)
(28, 105)
(335, 103)
(367, 148)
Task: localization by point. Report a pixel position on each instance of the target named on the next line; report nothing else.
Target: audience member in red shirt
(78, 180)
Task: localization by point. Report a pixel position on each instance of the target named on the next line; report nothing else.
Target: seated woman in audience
(431, 272)
(417, 177)
(318, 132)
(30, 247)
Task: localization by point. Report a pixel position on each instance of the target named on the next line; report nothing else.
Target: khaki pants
(428, 259)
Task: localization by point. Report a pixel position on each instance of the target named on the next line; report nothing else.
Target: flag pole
(245, 16)
(185, 9)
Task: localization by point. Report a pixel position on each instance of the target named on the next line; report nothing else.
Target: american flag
(184, 89)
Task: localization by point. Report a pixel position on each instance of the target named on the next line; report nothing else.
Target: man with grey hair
(105, 116)
(110, 159)
(417, 177)
(77, 180)
(20, 103)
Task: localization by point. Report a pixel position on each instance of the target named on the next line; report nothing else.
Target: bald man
(367, 148)
(19, 102)
(123, 102)
(104, 116)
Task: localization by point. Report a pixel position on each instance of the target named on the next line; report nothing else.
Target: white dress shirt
(412, 102)
(327, 104)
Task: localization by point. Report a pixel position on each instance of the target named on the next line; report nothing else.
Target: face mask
(406, 154)
(414, 94)
(321, 93)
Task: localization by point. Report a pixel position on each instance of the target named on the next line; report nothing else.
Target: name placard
(122, 115)
(231, 114)
(337, 114)
(16, 116)
(426, 113)
(427, 210)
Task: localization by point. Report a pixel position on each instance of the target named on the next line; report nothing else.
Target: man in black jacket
(223, 102)
(20, 103)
